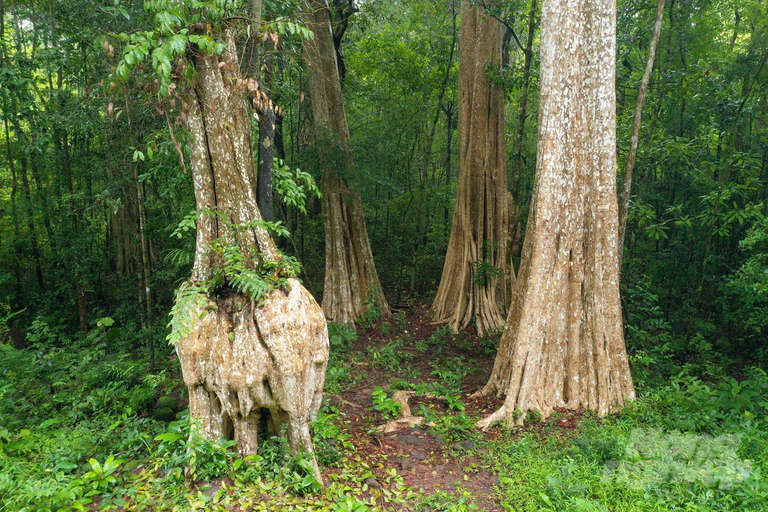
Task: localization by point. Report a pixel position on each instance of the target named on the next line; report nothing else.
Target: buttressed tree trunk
(249, 365)
(477, 274)
(564, 345)
(351, 281)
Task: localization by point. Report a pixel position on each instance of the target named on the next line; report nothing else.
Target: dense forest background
(90, 166)
(97, 223)
(86, 162)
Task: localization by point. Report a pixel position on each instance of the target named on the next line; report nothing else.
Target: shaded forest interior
(358, 168)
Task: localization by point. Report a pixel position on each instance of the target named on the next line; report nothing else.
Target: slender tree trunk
(266, 113)
(449, 113)
(266, 155)
(517, 165)
(36, 256)
(43, 203)
(61, 140)
(66, 163)
(441, 97)
(636, 123)
(145, 264)
(563, 345)
(14, 213)
(351, 280)
(477, 273)
(343, 11)
(266, 159)
(279, 141)
(419, 238)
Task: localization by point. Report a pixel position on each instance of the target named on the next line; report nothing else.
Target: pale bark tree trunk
(450, 111)
(564, 345)
(351, 281)
(477, 273)
(635, 137)
(249, 365)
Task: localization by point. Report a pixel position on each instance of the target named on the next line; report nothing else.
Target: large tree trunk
(477, 273)
(249, 365)
(564, 345)
(351, 281)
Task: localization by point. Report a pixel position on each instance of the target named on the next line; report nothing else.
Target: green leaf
(169, 437)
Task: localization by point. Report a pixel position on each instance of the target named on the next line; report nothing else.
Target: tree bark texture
(563, 345)
(351, 281)
(477, 274)
(248, 366)
(636, 123)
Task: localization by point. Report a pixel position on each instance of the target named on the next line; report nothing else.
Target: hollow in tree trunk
(250, 365)
(563, 345)
(477, 274)
(351, 281)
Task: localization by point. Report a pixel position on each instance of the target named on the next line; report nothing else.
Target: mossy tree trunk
(563, 345)
(477, 274)
(351, 281)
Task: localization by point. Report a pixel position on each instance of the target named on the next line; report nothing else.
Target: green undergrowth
(686, 446)
(78, 432)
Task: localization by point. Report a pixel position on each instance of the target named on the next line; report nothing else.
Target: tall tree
(477, 273)
(252, 342)
(563, 345)
(351, 280)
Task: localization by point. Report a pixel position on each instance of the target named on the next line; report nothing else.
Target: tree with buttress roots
(351, 281)
(252, 341)
(563, 346)
(477, 273)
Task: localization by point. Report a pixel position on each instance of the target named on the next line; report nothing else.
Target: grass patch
(686, 446)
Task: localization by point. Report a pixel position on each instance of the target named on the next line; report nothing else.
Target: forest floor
(431, 461)
(81, 429)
